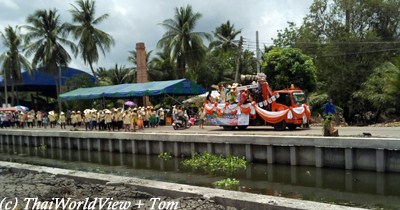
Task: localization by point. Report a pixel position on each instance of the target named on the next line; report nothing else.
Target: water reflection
(358, 188)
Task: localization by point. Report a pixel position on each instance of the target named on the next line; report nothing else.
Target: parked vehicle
(178, 124)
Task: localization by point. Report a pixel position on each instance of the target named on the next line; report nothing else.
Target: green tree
(75, 82)
(347, 40)
(79, 81)
(91, 39)
(248, 63)
(288, 37)
(101, 75)
(225, 36)
(12, 60)
(162, 64)
(186, 46)
(382, 88)
(115, 76)
(153, 73)
(218, 68)
(46, 38)
(220, 64)
(133, 55)
(286, 66)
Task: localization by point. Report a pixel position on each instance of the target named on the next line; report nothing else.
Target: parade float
(280, 109)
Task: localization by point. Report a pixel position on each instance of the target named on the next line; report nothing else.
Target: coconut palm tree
(162, 67)
(101, 75)
(133, 55)
(154, 74)
(225, 35)
(186, 46)
(115, 76)
(12, 59)
(91, 39)
(46, 38)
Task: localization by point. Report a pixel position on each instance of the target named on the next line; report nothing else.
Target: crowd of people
(131, 119)
(114, 119)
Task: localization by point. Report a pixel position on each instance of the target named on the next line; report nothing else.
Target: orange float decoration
(281, 109)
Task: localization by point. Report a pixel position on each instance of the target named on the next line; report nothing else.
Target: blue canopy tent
(170, 87)
(41, 81)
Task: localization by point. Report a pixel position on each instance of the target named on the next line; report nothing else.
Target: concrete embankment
(374, 154)
(29, 181)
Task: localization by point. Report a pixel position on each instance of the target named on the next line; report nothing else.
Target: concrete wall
(377, 154)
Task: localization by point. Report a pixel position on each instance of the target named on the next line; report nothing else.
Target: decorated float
(280, 109)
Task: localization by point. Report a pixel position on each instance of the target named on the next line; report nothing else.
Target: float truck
(281, 109)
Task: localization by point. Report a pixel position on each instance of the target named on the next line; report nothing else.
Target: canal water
(345, 187)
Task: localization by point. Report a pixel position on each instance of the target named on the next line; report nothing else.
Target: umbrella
(129, 103)
(22, 108)
(12, 109)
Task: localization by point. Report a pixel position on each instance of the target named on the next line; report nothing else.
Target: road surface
(386, 132)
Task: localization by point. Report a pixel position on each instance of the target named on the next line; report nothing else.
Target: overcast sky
(133, 21)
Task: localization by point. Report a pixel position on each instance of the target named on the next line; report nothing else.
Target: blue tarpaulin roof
(171, 87)
(41, 81)
(41, 78)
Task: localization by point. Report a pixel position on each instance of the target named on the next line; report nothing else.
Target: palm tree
(101, 75)
(133, 55)
(12, 60)
(186, 46)
(45, 40)
(162, 67)
(91, 39)
(225, 34)
(153, 73)
(115, 76)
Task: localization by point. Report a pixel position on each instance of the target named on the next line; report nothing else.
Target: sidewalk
(384, 132)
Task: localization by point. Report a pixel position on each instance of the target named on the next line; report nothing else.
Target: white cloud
(10, 4)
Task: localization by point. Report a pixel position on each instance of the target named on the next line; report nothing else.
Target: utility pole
(258, 54)
(239, 55)
(59, 90)
(5, 86)
(239, 45)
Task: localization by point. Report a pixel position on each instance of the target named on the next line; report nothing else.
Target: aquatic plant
(210, 163)
(42, 147)
(228, 184)
(165, 156)
(99, 170)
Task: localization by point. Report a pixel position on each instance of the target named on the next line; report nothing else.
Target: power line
(357, 53)
(350, 42)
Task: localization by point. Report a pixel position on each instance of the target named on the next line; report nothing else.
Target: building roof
(41, 81)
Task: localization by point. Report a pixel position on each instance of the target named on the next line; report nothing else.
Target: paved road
(388, 132)
(391, 132)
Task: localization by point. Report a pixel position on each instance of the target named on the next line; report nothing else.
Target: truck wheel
(292, 127)
(281, 126)
(228, 128)
(242, 127)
